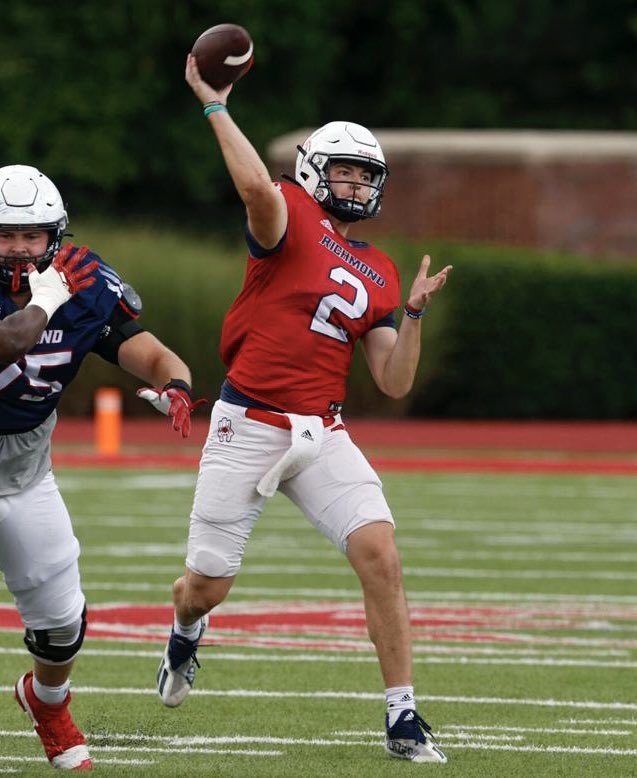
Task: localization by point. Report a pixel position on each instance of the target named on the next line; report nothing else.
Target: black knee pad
(50, 646)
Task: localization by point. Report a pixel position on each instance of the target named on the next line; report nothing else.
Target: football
(223, 54)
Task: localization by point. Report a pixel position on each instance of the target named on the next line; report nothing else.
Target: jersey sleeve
(386, 321)
(119, 307)
(256, 250)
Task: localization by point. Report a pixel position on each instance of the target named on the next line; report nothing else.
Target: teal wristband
(213, 108)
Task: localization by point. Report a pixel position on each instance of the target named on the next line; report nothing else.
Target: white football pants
(38, 556)
(338, 492)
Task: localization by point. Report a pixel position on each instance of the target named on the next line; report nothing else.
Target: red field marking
(606, 448)
(593, 436)
(304, 625)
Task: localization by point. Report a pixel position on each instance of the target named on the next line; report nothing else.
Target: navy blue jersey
(31, 387)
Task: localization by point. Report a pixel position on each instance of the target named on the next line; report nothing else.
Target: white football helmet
(344, 141)
(29, 201)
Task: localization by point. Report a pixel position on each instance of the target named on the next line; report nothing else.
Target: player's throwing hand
(202, 90)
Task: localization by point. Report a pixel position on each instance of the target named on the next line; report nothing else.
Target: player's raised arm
(267, 211)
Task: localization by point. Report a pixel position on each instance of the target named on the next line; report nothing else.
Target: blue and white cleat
(176, 673)
(411, 738)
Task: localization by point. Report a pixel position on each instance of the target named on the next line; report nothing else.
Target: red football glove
(173, 401)
(77, 278)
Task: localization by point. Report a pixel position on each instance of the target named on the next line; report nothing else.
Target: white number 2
(327, 304)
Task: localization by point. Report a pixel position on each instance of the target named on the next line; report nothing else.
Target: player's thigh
(340, 491)
(237, 452)
(36, 536)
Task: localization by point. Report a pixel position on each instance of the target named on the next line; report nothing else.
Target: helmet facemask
(29, 202)
(13, 269)
(348, 143)
(347, 209)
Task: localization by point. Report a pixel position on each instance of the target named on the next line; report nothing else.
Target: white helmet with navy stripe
(29, 201)
(345, 142)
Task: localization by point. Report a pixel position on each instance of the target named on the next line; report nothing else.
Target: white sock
(191, 632)
(398, 699)
(51, 695)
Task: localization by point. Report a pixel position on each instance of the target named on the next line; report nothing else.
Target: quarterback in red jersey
(315, 300)
(309, 294)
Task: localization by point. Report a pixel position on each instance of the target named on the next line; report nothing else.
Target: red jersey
(289, 337)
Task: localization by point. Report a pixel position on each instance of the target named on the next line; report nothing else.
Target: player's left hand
(174, 401)
(424, 288)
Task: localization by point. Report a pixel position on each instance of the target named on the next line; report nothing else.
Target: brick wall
(571, 191)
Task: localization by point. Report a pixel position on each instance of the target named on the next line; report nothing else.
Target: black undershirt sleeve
(120, 327)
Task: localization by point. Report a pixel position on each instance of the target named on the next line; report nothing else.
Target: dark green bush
(526, 335)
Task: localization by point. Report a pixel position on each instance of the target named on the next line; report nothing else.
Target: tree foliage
(93, 92)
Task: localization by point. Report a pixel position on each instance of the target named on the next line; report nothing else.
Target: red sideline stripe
(406, 465)
(608, 437)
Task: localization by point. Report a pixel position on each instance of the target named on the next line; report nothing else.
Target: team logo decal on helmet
(29, 201)
(341, 142)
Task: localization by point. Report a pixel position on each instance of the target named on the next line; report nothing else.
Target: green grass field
(524, 598)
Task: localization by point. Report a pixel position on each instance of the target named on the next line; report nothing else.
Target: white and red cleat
(64, 744)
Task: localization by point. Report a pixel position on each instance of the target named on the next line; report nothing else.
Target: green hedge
(528, 335)
(514, 334)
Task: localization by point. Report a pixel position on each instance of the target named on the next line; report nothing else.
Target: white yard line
(44, 760)
(463, 730)
(436, 572)
(598, 721)
(544, 749)
(542, 730)
(225, 751)
(267, 551)
(479, 743)
(150, 481)
(217, 655)
(175, 741)
(261, 694)
(334, 593)
(457, 485)
(318, 658)
(539, 531)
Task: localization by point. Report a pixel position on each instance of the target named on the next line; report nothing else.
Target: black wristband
(177, 383)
